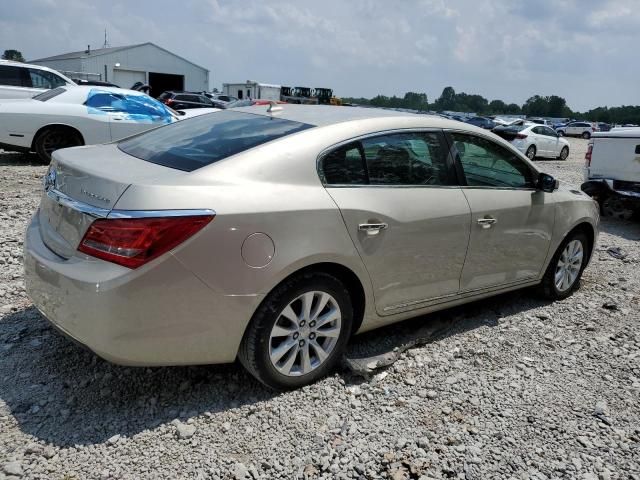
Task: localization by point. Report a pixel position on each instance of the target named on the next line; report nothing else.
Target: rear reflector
(132, 242)
(587, 156)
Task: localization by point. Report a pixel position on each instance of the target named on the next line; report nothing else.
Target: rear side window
(416, 158)
(197, 142)
(44, 79)
(401, 159)
(13, 76)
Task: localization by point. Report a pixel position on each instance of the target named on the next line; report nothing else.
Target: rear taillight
(168, 101)
(132, 242)
(587, 156)
(521, 136)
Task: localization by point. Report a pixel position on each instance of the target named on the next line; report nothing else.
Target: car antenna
(273, 107)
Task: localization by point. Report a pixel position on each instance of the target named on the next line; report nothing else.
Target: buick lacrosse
(271, 234)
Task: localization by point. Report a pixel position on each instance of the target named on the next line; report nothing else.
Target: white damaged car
(80, 115)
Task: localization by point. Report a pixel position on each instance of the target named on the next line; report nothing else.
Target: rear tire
(564, 153)
(55, 138)
(614, 206)
(312, 345)
(563, 274)
(586, 135)
(531, 152)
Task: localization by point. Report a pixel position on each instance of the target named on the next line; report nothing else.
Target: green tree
(557, 106)
(416, 101)
(497, 106)
(14, 55)
(446, 101)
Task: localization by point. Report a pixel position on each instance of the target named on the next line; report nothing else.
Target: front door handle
(372, 228)
(486, 222)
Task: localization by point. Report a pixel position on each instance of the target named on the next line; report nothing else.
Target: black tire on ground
(564, 153)
(561, 133)
(586, 135)
(531, 152)
(254, 348)
(55, 138)
(547, 287)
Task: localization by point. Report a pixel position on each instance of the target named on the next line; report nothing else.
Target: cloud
(583, 50)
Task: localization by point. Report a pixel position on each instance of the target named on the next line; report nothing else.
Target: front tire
(586, 135)
(55, 138)
(563, 274)
(561, 133)
(531, 152)
(299, 333)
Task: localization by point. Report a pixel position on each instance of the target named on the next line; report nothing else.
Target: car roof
(322, 115)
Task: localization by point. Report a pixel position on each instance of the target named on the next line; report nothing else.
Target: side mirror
(547, 183)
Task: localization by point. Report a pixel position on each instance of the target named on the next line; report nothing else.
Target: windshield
(191, 144)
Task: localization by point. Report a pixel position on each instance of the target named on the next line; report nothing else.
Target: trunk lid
(83, 184)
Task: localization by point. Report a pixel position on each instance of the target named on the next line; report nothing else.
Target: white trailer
(252, 90)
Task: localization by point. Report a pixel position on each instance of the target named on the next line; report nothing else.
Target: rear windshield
(197, 142)
(49, 94)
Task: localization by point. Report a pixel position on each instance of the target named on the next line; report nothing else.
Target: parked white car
(22, 80)
(80, 115)
(576, 129)
(612, 171)
(535, 140)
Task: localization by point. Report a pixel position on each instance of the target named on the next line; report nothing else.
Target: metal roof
(106, 51)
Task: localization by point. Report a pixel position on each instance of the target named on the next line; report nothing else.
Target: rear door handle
(487, 222)
(372, 228)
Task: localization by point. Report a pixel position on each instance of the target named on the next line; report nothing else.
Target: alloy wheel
(305, 333)
(569, 265)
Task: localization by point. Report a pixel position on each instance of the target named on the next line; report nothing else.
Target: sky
(583, 50)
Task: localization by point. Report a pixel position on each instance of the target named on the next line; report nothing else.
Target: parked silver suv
(273, 233)
(576, 129)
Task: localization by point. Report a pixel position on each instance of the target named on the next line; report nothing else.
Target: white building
(250, 89)
(146, 62)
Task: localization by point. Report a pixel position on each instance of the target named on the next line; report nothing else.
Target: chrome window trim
(97, 212)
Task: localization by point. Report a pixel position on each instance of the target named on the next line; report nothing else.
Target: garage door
(126, 78)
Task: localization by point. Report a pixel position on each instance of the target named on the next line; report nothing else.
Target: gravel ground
(511, 387)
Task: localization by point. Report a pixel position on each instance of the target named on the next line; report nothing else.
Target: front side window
(12, 76)
(197, 142)
(402, 159)
(487, 164)
(44, 79)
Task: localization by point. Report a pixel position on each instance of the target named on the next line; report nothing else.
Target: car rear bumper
(159, 314)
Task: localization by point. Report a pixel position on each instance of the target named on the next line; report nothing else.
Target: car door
(553, 142)
(406, 215)
(540, 141)
(573, 129)
(512, 221)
